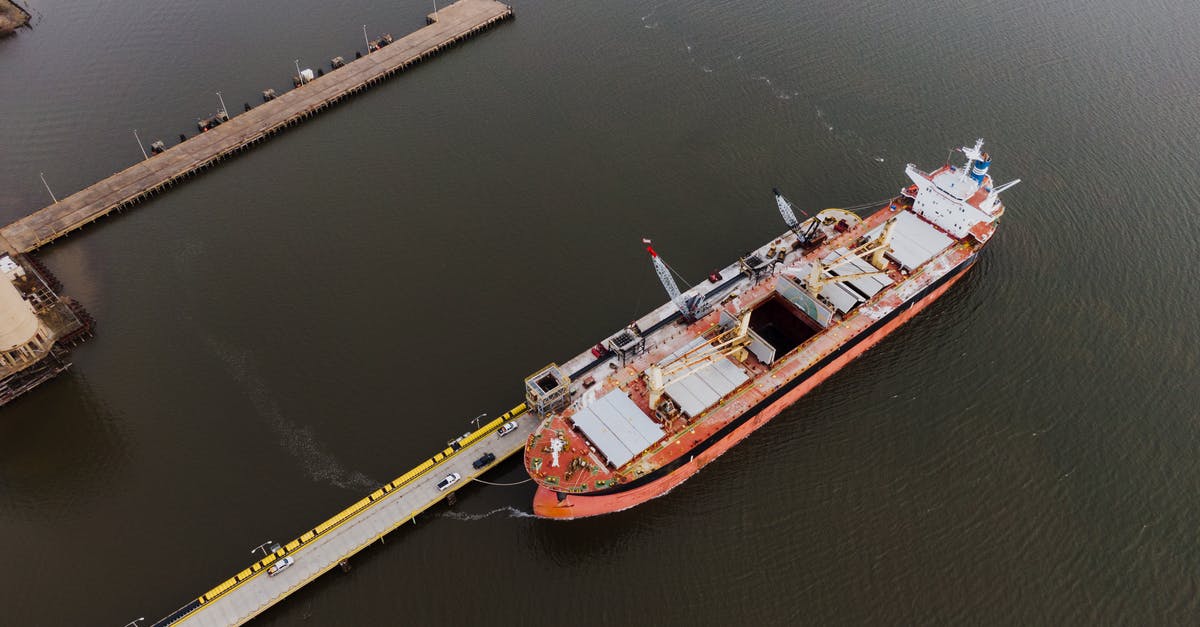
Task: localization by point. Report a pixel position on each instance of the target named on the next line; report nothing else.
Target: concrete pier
(453, 24)
(332, 543)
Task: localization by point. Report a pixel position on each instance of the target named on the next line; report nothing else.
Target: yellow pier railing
(350, 513)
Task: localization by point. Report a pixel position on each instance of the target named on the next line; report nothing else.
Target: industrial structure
(37, 326)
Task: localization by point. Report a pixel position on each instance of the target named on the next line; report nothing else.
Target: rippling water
(312, 318)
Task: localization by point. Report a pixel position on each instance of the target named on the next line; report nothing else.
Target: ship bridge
(958, 199)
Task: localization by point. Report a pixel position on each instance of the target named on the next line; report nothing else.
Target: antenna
(976, 153)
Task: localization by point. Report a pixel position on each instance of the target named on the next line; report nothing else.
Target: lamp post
(298, 74)
(135, 622)
(435, 15)
(262, 547)
(368, 41)
(223, 109)
(43, 177)
(139, 141)
(476, 420)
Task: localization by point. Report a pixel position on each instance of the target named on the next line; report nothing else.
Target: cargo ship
(649, 406)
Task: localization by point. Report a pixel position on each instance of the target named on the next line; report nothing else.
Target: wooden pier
(452, 24)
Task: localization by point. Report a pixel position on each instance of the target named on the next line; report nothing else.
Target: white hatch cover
(914, 241)
(617, 427)
(699, 387)
(869, 284)
(843, 298)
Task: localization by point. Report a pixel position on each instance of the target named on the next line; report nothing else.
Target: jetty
(331, 544)
(449, 26)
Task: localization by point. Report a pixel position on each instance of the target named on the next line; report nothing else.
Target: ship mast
(973, 155)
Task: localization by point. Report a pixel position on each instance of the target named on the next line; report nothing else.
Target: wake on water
(299, 441)
(512, 513)
(846, 137)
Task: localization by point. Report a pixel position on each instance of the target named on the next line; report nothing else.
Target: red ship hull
(554, 505)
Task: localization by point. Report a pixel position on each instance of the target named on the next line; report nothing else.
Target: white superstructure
(956, 199)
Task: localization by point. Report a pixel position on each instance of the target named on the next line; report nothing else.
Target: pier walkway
(252, 591)
(136, 183)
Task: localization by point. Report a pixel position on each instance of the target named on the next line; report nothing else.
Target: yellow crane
(731, 342)
(877, 248)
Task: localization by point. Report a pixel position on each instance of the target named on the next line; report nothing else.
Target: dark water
(311, 319)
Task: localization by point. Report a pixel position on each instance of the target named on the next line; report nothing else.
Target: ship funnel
(979, 167)
(977, 161)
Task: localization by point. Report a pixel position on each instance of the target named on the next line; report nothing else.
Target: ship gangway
(449, 26)
(251, 591)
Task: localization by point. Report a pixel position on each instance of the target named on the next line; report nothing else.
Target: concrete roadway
(261, 591)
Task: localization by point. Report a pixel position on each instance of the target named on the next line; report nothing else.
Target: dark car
(483, 461)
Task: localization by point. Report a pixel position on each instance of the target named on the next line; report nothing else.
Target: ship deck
(582, 468)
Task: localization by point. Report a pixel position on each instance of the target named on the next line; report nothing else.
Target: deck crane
(789, 218)
(729, 343)
(691, 306)
(884, 245)
(877, 248)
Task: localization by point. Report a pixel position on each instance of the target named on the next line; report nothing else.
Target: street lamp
(223, 109)
(262, 547)
(298, 74)
(476, 420)
(139, 141)
(366, 40)
(435, 15)
(135, 622)
(43, 177)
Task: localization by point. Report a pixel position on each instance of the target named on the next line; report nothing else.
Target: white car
(506, 428)
(450, 480)
(278, 566)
